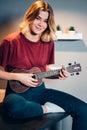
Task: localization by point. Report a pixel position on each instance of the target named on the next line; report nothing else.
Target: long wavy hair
(32, 12)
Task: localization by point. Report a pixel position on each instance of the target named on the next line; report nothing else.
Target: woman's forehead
(43, 14)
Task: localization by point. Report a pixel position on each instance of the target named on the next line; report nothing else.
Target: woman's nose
(41, 23)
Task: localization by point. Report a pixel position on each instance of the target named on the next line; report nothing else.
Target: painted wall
(71, 13)
(67, 13)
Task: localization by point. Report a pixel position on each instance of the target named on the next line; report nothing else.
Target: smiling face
(39, 21)
(39, 24)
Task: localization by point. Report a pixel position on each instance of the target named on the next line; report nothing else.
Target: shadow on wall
(9, 27)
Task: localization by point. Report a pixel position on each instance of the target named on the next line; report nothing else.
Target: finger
(32, 84)
(65, 73)
(62, 74)
(33, 78)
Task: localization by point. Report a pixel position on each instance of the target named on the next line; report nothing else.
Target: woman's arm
(24, 78)
(7, 76)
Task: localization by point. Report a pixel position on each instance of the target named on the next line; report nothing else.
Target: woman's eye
(46, 21)
(37, 18)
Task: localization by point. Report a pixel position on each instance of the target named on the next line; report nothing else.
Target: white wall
(71, 13)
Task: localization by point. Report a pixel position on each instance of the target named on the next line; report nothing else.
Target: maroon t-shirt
(18, 52)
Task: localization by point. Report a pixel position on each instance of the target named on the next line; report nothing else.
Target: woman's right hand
(27, 79)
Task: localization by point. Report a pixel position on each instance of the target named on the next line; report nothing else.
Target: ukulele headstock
(75, 68)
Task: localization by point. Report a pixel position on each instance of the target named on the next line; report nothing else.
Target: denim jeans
(28, 104)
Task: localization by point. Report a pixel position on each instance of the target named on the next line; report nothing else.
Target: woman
(33, 46)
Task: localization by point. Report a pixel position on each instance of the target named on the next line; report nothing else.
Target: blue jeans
(28, 104)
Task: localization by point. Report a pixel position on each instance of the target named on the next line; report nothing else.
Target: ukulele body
(17, 86)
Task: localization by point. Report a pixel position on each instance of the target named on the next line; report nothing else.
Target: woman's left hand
(63, 73)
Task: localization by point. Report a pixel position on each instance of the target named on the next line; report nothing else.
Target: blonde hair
(33, 12)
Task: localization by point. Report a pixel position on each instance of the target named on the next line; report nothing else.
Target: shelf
(69, 36)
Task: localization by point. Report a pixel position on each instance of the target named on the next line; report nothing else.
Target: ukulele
(18, 87)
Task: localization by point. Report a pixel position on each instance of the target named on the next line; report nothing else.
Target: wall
(71, 12)
(67, 13)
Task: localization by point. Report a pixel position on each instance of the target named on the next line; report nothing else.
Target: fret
(48, 73)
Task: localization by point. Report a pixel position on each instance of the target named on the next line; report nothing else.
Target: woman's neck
(32, 37)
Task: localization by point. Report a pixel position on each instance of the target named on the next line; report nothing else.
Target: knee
(13, 103)
(82, 111)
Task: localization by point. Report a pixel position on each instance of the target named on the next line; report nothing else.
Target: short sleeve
(4, 53)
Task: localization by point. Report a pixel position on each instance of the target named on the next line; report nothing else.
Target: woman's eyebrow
(42, 18)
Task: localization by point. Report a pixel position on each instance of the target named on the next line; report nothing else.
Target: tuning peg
(72, 74)
(69, 63)
(77, 73)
